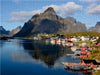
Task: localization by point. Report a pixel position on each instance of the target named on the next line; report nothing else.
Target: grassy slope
(98, 73)
(95, 53)
(84, 33)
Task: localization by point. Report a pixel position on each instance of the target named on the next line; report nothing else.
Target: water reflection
(45, 52)
(2, 43)
(28, 57)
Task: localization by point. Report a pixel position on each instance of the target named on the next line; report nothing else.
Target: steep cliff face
(14, 31)
(47, 22)
(96, 28)
(3, 31)
(78, 25)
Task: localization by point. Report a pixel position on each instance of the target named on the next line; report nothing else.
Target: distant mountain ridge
(78, 25)
(3, 31)
(49, 22)
(98, 24)
(96, 28)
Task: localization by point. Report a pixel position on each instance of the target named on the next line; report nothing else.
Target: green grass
(83, 42)
(95, 54)
(98, 73)
(84, 33)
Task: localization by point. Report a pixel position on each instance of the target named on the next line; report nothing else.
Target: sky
(14, 13)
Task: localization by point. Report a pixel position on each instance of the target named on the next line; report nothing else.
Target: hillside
(78, 25)
(84, 33)
(14, 31)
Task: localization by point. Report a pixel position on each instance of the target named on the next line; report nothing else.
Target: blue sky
(17, 12)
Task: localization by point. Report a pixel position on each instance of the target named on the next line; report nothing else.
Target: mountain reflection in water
(45, 52)
(28, 57)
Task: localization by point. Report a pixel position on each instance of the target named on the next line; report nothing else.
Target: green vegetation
(98, 40)
(88, 42)
(43, 36)
(95, 53)
(84, 33)
(98, 73)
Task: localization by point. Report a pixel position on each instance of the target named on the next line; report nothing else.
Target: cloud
(66, 9)
(63, 10)
(94, 9)
(90, 1)
(22, 16)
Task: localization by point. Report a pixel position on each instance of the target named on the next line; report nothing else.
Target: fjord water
(28, 57)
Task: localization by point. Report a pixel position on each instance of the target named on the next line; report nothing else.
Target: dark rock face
(3, 31)
(96, 28)
(78, 25)
(47, 22)
(14, 31)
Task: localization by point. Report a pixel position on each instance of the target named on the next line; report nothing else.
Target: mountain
(3, 31)
(14, 31)
(71, 19)
(78, 25)
(96, 28)
(98, 24)
(47, 22)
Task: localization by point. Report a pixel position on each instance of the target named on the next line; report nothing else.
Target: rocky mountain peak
(1, 28)
(3, 31)
(49, 14)
(50, 9)
(98, 24)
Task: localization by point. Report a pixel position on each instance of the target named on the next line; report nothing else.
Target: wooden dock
(70, 54)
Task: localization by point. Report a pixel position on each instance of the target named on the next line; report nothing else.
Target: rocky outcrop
(14, 31)
(96, 28)
(78, 25)
(3, 31)
(71, 19)
(47, 22)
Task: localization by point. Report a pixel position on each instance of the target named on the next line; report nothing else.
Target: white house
(84, 38)
(97, 37)
(93, 39)
(74, 40)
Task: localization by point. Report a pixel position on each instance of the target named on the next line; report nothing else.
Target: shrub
(98, 40)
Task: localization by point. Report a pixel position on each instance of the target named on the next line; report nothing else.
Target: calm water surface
(27, 57)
